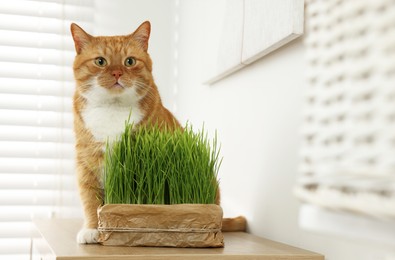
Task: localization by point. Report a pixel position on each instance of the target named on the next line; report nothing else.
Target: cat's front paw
(88, 236)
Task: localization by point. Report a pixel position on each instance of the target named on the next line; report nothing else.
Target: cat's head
(112, 64)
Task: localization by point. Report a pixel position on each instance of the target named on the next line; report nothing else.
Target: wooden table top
(59, 236)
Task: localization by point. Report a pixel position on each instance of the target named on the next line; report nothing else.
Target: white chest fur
(105, 113)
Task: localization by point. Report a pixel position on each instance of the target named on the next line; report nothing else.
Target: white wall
(257, 112)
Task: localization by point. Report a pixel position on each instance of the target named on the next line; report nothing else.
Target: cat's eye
(130, 61)
(100, 61)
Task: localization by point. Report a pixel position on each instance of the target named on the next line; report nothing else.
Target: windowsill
(57, 241)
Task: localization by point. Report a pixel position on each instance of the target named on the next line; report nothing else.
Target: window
(36, 136)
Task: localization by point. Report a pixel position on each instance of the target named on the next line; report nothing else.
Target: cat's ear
(142, 34)
(81, 38)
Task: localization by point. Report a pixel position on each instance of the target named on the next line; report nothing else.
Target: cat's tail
(234, 224)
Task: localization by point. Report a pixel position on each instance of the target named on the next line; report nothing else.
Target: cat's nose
(117, 74)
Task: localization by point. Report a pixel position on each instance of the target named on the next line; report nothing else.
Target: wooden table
(57, 240)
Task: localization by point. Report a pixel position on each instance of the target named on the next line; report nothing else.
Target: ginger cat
(113, 77)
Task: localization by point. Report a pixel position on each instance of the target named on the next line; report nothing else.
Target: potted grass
(160, 189)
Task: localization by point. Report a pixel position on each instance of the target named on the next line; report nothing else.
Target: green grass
(148, 165)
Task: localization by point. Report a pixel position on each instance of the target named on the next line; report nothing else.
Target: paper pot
(182, 225)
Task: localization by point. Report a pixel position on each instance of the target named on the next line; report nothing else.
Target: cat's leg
(88, 236)
(89, 198)
(90, 193)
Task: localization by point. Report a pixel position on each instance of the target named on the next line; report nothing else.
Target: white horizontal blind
(349, 123)
(36, 137)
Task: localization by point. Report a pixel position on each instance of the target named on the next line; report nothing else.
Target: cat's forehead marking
(114, 46)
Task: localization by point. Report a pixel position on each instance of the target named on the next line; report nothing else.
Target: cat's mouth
(117, 86)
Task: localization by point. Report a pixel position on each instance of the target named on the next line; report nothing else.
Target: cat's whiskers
(146, 88)
(86, 86)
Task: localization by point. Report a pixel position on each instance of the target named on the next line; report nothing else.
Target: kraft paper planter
(181, 225)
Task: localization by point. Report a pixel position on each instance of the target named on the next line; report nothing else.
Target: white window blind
(349, 123)
(37, 177)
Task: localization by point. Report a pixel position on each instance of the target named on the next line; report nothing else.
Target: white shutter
(349, 123)
(37, 177)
